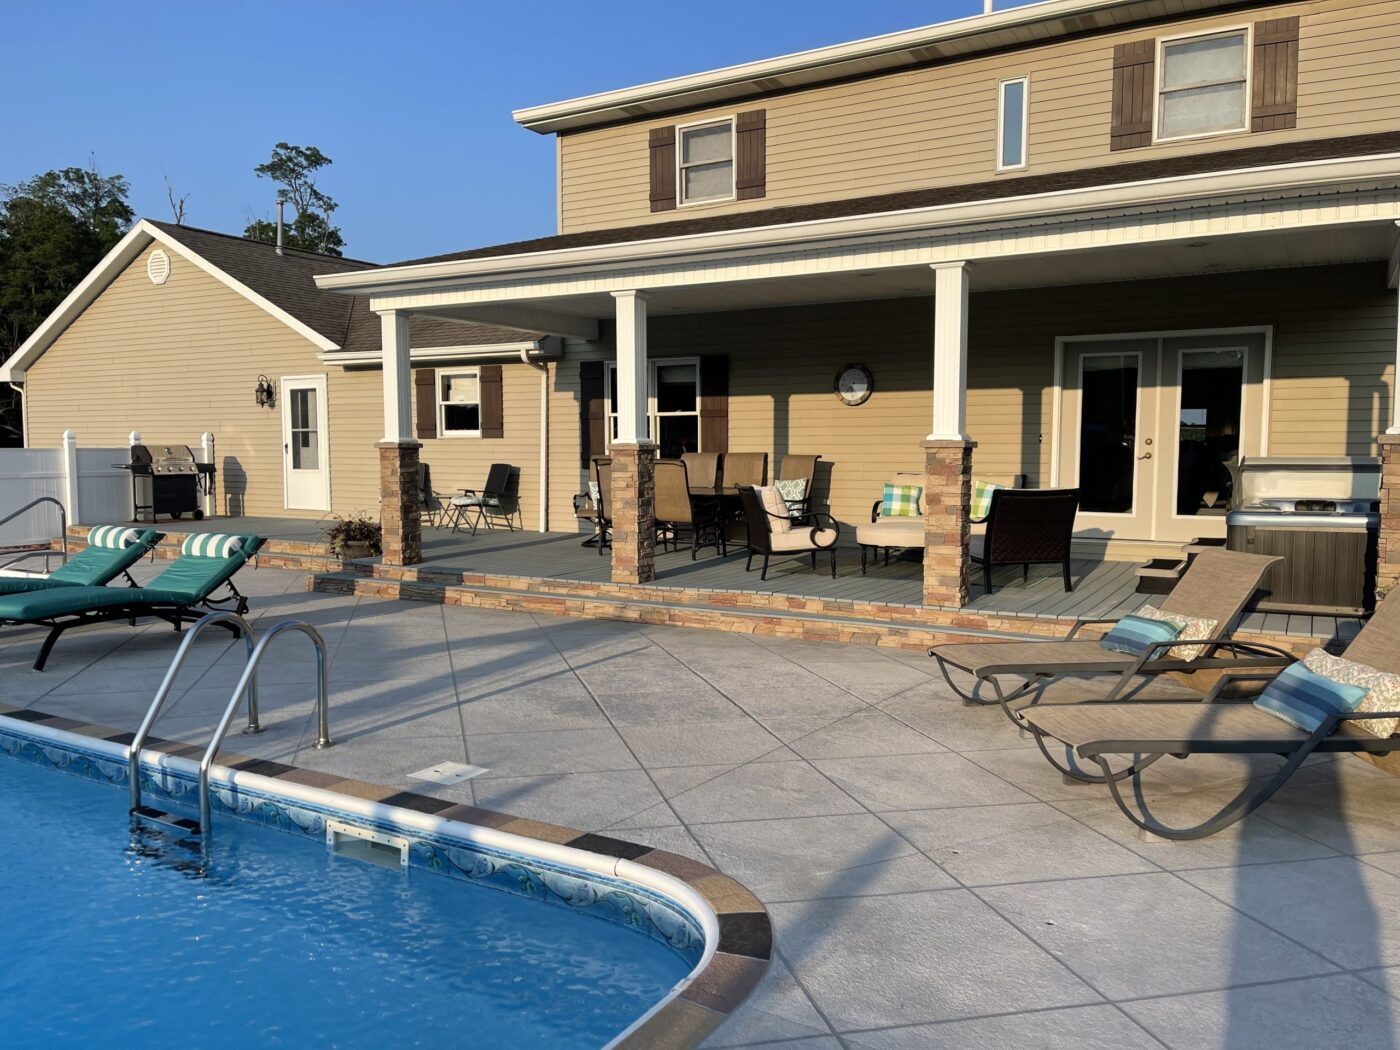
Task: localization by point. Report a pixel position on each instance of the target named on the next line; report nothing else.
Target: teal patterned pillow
(901, 501)
(1135, 635)
(982, 498)
(1306, 699)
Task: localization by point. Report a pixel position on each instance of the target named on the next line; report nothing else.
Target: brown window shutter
(425, 403)
(663, 168)
(1134, 94)
(592, 412)
(493, 420)
(714, 403)
(751, 145)
(1275, 103)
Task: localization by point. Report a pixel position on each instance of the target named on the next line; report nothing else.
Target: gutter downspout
(18, 388)
(543, 368)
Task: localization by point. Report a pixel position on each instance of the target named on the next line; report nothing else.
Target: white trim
(347, 359)
(733, 121)
(122, 255)
(439, 404)
(1160, 66)
(316, 381)
(1025, 82)
(1090, 203)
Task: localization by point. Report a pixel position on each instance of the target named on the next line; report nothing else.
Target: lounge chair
(771, 531)
(1147, 730)
(111, 551)
(1027, 527)
(179, 595)
(1218, 586)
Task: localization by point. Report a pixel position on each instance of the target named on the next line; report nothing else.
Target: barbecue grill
(170, 479)
(1321, 515)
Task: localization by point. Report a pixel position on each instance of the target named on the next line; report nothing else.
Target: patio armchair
(492, 505)
(1145, 732)
(111, 552)
(1216, 589)
(702, 469)
(591, 506)
(882, 535)
(794, 479)
(179, 595)
(675, 511)
(1028, 527)
(771, 532)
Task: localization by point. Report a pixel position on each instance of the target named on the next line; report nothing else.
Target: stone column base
(947, 534)
(400, 502)
(1388, 542)
(633, 513)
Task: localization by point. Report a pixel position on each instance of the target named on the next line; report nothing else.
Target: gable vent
(158, 267)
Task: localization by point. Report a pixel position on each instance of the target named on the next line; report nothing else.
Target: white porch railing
(92, 491)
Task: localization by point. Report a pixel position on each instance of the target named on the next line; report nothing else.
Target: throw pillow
(1305, 699)
(595, 494)
(1382, 689)
(982, 498)
(1134, 635)
(776, 507)
(794, 493)
(1191, 628)
(901, 501)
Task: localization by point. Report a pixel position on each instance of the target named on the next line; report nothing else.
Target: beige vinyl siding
(937, 126)
(1333, 372)
(172, 361)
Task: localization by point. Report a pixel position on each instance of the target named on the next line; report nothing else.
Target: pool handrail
(62, 532)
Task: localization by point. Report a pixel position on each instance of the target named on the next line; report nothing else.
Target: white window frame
(1025, 123)
(442, 430)
(681, 129)
(1160, 67)
(653, 414)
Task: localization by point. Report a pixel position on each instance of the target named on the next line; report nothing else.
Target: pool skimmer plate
(448, 773)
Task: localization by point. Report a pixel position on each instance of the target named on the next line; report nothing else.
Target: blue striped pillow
(1306, 699)
(1135, 635)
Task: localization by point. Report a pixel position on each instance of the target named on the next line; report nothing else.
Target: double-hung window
(459, 403)
(673, 405)
(1013, 108)
(705, 162)
(1203, 85)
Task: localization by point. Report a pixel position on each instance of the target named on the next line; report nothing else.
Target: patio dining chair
(771, 532)
(591, 506)
(491, 505)
(701, 469)
(1028, 527)
(745, 468)
(676, 512)
(794, 479)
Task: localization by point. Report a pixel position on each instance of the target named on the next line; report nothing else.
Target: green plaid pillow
(901, 501)
(982, 498)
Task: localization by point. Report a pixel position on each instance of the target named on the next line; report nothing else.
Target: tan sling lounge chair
(1217, 587)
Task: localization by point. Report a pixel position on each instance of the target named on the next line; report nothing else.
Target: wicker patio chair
(1145, 731)
(771, 531)
(676, 512)
(1028, 527)
(1218, 586)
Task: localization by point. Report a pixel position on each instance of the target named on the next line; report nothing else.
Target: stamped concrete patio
(931, 880)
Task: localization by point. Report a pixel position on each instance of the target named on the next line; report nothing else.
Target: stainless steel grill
(167, 479)
(1321, 515)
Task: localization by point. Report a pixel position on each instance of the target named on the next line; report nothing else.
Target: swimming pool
(128, 936)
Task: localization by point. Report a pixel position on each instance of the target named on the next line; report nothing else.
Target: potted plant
(355, 536)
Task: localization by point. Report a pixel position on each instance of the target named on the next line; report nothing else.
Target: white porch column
(398, 377)
(950, 351)
(631, 367)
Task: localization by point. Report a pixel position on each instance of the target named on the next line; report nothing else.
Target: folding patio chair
(490, 505)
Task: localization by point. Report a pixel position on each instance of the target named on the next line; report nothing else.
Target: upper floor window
(1203, 85)
(1013, 106)
(705, 168)
(459, 404)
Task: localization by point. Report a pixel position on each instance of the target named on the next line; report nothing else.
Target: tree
(54, 228)
(293, 169)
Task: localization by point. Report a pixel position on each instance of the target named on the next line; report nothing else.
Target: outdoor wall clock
(854, 385)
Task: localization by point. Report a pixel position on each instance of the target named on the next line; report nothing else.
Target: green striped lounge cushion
(1135, 635)
(900, 501)
(117, 537)
(1306, 699)
(212, 545)
(982, 498)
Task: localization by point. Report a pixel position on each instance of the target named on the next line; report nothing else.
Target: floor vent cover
(374, 847)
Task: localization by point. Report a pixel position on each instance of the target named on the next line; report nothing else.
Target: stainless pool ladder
(247, 686)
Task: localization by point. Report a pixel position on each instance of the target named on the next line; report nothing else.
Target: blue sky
(414, 108)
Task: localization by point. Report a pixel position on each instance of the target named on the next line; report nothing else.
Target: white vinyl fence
(84, 480)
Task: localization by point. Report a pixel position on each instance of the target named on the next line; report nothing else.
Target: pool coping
(730, 969)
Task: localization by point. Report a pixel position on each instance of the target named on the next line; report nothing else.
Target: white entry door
(305, 470)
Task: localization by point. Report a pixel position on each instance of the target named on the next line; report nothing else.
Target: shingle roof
(986, 189)
(287, 282)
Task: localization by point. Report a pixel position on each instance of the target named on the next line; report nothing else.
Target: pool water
(118, 937)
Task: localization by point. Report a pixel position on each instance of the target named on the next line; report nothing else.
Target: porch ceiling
(1210, 254)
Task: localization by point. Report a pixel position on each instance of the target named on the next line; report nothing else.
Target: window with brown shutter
(751, 133)
(1134, 93)
(1275, 96)
(592, 412)
(492, 404)
(663, 169)
(714, 403)
(425, 403)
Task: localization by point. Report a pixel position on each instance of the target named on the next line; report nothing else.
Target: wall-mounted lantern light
(265, 395)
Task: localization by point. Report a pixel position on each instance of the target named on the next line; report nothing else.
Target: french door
(305, 466)
(1152, 429)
